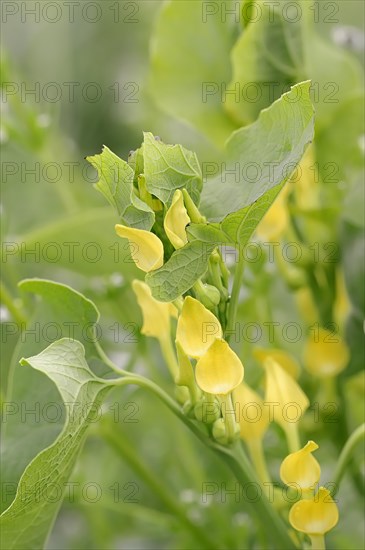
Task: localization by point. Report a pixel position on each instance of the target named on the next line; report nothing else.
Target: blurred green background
(115, 97)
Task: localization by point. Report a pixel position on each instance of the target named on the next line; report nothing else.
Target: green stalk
(169, 355)
(233, 304)
(318, 542)
(258, 459)
(345, 456)
(229, 416)
(170, 500)
(239, 465)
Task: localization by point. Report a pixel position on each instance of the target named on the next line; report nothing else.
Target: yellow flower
(301, 468)
(156, 315)
(316, 516)
(251, 414)
(197, 328)
(146, 248)
(325, 354)
(281, 388)
(176, 220)
(285, 360)
(219, 370)
(287, 399)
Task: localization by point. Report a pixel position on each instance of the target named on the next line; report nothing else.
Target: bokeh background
(94, 83)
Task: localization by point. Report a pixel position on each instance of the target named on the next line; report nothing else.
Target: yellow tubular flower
(251, 414)
(146, 248)
(197, 328)
(301, 468)
(287, 399)
(176, 220)
(219, 370)
(285, 360)
(156, 315)
(315, 516)
(325, 354)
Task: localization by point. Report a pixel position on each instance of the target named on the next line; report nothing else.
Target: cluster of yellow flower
(209, 376)
(316, 512)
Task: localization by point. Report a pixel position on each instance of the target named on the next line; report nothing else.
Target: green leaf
(237, 228)
(170, 167)
(61, 312)
(280, 47)
(273, 145)
(116, 184)
(187, 68)
(28, 520)
(180, 272)
(267, 58)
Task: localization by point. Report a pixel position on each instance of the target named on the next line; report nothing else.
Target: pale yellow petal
(287, 399)
(219, 370)
(156, 315)
(316, 516)
(176, 220)
(197, 328)
(251, 413)
(301, 468)
(325, 353)
(146, 248)
(285, 360)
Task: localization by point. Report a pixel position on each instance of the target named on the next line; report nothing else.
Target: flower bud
(207, 411)
(219, 432)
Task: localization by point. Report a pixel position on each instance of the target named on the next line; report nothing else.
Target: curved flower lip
(301, 468)
(176, 220)
(219, 370)
(146, 248)
(325, 354)
(197, 328)
(285, 360)
(316, 516)
(254, 423)
(156, 315)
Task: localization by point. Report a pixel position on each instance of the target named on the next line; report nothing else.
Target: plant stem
(240, 466)
(292, 437)
(228, 416)
(245, 474)
(258, 459)
(126, 451)
(233, 304)
(169, 355)
(318, 542)
(345, 456)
